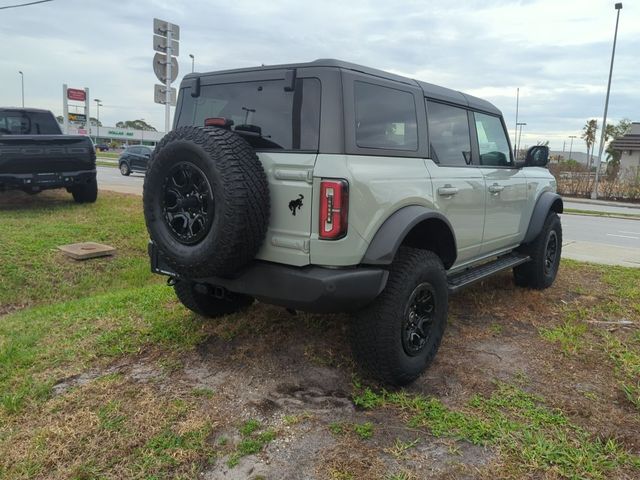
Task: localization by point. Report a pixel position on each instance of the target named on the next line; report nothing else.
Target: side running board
(471, 275)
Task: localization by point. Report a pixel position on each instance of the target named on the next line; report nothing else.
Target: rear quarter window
(269, 117)
(385, 118)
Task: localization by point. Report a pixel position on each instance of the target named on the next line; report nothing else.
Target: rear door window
(449, 138)
(385, 118)
(269, 117)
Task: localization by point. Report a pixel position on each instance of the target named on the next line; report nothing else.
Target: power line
(25, 4)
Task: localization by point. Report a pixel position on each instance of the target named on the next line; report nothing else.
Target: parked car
(134, 159)
(36, 156)
(333, 187)
(102, 147)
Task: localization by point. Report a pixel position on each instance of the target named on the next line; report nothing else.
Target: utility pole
(515, 134)
(22, 82)
(165, 65)
(98, 105)
(520, 124)
(571, 146)
(193, 61)
(594, 193)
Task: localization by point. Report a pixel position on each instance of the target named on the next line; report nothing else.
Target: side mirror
(537, 156)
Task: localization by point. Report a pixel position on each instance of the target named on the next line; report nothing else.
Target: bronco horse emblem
(296, 204)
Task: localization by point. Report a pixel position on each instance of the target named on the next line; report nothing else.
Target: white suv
(328, 186)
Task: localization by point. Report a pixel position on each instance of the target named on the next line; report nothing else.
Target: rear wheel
(206, 304)
(124, 169)
(85, 192)
(545, 252)
(397, 336)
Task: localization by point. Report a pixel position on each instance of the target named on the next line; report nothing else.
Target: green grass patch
(33, 271)
(253, 441)
(591, 213)
(535, 437)
(37, 343)
(570, 336)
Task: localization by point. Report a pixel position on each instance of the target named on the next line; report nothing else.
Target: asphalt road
(608, 231)
(111, 179)
(611, 241)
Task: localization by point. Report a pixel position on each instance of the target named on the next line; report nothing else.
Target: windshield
(17, 122)
(263, 112)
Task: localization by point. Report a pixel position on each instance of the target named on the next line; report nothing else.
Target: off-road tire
(376, 332)
(85, 192)
(124, 169)
(533, 274)
(206, 304)
(240, 194)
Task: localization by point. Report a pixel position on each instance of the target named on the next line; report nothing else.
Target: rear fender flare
(394, 230)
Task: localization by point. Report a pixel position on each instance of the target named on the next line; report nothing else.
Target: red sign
(76, 94)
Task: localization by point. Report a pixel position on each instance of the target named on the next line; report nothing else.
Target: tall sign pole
(167, 97)
(165, 65)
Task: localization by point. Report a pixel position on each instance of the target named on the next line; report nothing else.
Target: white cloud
(556, 52)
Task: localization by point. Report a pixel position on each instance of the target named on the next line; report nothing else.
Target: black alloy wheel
(418, 319)
(550, 253)
(188, 204)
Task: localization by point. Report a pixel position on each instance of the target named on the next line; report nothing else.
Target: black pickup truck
(35, 155)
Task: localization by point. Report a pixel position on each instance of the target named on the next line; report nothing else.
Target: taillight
(334, 208)
(218, 122)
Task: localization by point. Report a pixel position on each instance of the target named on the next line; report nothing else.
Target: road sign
(76, 94)
(160, 95)
(160, 67)
(78, 117)
(160, 27)
(160, 45)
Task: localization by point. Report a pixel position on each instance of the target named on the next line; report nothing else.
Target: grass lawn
(104, 375)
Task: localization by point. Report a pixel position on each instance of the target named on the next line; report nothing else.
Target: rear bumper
(311, 288)
(42, 181)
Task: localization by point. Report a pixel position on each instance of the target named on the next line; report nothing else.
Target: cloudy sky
(557, 52)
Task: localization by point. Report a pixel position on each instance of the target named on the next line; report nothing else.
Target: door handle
(447, 191)
(495, 188)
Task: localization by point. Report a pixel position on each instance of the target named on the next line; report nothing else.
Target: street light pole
(521, 124)
(98, 105)
(571, 146)
(193, 61)
(22, 83)
(515, 135)
(594, 193)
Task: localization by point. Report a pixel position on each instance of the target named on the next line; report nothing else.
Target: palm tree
(589, 137)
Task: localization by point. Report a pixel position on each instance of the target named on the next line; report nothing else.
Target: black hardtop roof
(21, 109)
(430, 90)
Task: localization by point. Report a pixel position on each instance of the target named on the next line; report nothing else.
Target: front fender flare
(547, 202)
(392, 232)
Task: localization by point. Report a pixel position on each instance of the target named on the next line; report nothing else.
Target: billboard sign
(76, 94)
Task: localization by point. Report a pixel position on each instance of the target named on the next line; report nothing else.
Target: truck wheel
(85, 192)
(545, 251)
(206, 304)
(397, 336)
(124, 169)
(206, 201)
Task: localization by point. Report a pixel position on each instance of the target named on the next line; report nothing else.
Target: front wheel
(206, 304)
(398, 335)
(545, 251)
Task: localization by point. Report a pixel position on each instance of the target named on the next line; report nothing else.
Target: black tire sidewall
(415, 365)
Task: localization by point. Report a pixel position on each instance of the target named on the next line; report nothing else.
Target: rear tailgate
(22, 154)
(290, 178)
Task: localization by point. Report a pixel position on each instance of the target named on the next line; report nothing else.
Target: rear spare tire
(206, 201)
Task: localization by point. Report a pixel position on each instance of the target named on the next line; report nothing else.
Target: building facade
(629, 145)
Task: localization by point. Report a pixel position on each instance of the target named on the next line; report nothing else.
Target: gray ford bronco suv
(333, 187)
